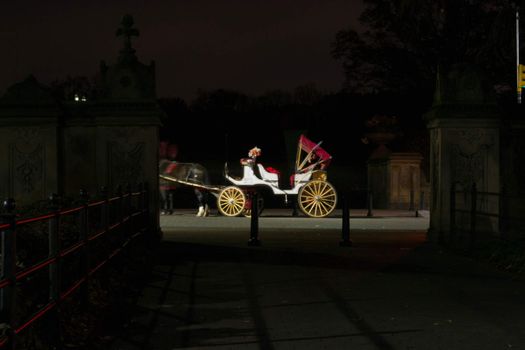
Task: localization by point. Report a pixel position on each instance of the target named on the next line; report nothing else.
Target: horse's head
(198, 174)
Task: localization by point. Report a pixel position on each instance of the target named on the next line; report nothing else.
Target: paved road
(278, 219)
(300, 290)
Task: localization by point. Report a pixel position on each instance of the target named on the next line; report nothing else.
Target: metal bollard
(370, 204)
(346, 242)
(104, 215)
(254, 223)
(421, 203)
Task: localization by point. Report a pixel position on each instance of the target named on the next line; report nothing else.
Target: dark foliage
(71, 89)
(223, 125)
(404, 42)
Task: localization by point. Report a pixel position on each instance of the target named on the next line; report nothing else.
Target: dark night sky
(246, 45)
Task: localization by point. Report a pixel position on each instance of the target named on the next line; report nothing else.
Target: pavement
(301, 290)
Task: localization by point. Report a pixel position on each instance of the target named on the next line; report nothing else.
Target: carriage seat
(269, 173)
(247, 161)
(300, 178)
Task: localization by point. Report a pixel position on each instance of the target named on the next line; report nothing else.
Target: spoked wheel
(231, 201)
(260, 206)
(317, 198)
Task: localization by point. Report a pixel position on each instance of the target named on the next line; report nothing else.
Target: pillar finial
(126, 31)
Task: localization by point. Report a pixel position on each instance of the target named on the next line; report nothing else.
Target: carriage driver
(167, 155)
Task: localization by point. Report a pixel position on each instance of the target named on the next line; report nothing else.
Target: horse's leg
(170, 201)
(163, 201)
(199, 174)
(205, 194)
(205, 197)
(200, 199)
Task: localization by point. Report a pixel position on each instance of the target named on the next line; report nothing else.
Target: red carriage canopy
(310, 154)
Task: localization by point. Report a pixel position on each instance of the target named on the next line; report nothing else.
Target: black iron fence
(477, 215)
(72, 244)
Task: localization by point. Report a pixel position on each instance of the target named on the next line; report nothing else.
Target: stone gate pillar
(122, 133)
(30, 133)
(464, 144)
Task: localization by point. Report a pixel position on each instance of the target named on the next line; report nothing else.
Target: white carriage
(316, 197)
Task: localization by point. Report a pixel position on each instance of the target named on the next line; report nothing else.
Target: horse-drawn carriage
(316, 197)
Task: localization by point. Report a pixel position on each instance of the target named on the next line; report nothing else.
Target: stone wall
(405, 180)
(395, 181)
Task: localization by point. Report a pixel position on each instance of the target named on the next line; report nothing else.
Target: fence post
(54, 270)
(142, 205)
(8, 293)
(254, 222)
(129, 210)
(127, 202)
(139, 197)
(369, 203)
(128, 227)
(119, 214)
(346, 242)
(105, 208)
(146, 215)
(453, 213)
(133, 207)
(473, 216)
(84, 237)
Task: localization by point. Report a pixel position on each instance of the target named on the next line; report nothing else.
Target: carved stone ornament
(469, 156)
(27, 168)
(126, 163)
(27, 135)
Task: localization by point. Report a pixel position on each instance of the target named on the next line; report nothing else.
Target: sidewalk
(300, 290)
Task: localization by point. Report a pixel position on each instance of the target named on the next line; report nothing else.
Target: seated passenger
(254, 153)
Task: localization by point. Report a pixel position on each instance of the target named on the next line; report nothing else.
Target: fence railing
(476, 215)
(80, 241)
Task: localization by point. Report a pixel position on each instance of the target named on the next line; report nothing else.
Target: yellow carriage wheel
(317, 198)
(231, 201)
